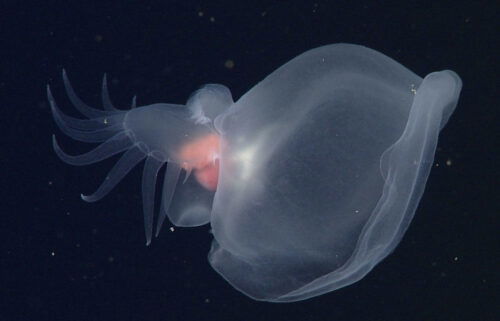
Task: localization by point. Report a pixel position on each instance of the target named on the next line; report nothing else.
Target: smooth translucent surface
(322, 165)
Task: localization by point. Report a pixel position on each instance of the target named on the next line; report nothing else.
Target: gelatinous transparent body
(308, 180)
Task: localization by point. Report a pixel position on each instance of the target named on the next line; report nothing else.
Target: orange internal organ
(200, 156)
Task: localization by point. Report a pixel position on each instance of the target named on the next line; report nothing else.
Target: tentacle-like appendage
(134, 102)
(95, 136)
(188, 173)
(149, 175)
(171, 177)
(106, 100)
(128, 161)
(107, 126)
(83, 124)
(78, 103)
(85, 130)
(115, 145)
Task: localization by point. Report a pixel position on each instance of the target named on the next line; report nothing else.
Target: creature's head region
(202, 157)
(208, 102)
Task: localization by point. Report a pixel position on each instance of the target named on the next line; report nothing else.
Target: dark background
(64, 259)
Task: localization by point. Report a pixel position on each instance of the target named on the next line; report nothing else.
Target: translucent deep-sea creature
(308, 180)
